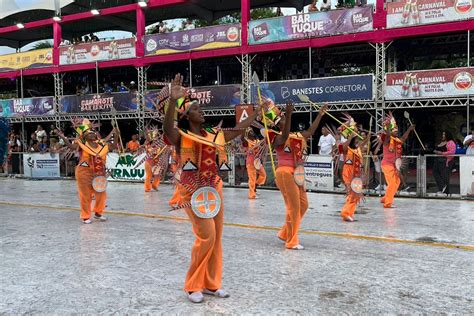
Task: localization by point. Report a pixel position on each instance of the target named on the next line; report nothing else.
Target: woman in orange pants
(200, 188)
(290, 149)
(391, 162)
(351, 174)
(156, 163)
(90, 172)
(256, 176)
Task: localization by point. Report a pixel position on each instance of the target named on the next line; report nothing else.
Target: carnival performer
(200, 187)
(255, 169)
(156, 163)
(290, 151)
(90, 172)
(392, 158)
(352, 172)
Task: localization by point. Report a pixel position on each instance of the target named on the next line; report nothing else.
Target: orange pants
(393, 182)
(205, 271)
(176, 198)
(84, 176)
(352, 198)
(296, 202)
(150, 179)
(256, 177)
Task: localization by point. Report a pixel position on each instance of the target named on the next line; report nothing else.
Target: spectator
(469, 142)
(79, 90)
(15, 147)
(134, 144)
(54, 146)
(107, 88)
(326, 5)
(40, 133)
(312, 7)
(340, 140)
(33, 146)
(162, 28)
(326, 143)
(122, 87)
(53, 134)
(43, 145)
(279, 12)
(133, 86)
(448, 163)
(189, 25)
(86, 39)
(93, 37)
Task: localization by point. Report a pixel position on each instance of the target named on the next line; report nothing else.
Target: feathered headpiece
(390, 122)
(83, 125)
(273, 114)
(349, 126)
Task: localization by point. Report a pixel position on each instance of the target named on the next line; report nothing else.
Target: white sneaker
(379, 187)
(99, 217)
(219, 293)
(196, 297)
(348, 219)
(341, 186)
(297, 247)
(87, 221)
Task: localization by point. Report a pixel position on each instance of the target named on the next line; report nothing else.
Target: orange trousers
(393, 182)
(205, 270)
(352, 198)
(296, 203)
(150, 179)
(84, 176)
(176, 198)
(256, 177)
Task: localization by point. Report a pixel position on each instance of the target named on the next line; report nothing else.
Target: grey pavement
(396, 261)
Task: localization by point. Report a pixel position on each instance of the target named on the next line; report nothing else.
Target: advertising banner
(466, 173)
(419, 12)
(319, 173)
(32, 59)
(436, 83)
(213, 37)
(36, 165)
(332, 89)
(208, 97)
(319, 24)
(27, 107)
(103, 102)
(97, 51)
(125, 167)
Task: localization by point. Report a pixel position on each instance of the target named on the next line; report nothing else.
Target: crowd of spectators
(80, 40)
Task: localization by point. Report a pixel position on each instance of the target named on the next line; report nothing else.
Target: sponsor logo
(463, 80)
(260, 31)
(151, 45)
(95, 50)
(233, 34)
(463, 6)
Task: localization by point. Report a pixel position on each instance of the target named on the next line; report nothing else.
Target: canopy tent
(202, 9)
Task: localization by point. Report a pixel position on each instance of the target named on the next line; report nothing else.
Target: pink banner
(97, 51)
(429, 84)
(411, 13)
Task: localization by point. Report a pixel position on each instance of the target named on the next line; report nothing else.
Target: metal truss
(427, 103)
(245, 92)
(380, 61)
(141, 92)
(58, 91)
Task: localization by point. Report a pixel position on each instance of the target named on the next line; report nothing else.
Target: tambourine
(99, 184)
(206, 202)
(257, 163)
(398, 163)
(299, 175)
(357, 185)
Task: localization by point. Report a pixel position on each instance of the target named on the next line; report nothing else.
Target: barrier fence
(421, 176)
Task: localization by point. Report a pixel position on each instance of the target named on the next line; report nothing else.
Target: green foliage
(41, 45)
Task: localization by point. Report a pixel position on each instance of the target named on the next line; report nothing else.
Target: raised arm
(407, 133)
(281, 139)
(242, 126)
(345, 145)
(176, 92)
(66, 140)
(114, 132)
(312, 129)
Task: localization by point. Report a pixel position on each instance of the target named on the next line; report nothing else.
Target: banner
(466, 174)
(242, 112)
(212, 37)
(436, 83)
(124, 167)
(208, 97)
(103, 102)
(27, 107)
(332, 89)
(406, 13)
(319, 173)
(97, 51)
(32, 59)
(319, 24)
(36, 165)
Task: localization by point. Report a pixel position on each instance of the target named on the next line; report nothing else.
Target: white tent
(9, 7)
